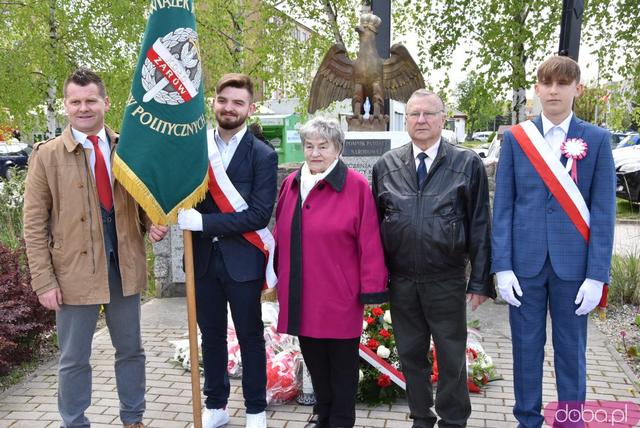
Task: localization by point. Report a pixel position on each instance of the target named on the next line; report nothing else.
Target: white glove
(507, 283)
(589, 294)
(190, 220)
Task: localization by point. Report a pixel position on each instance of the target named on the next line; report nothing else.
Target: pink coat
(335, 263)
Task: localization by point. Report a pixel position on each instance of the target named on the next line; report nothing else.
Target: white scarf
(309, 180)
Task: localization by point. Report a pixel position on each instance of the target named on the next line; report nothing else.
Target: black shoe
(314, 422)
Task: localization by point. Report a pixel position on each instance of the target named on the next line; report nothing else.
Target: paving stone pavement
(32, 403)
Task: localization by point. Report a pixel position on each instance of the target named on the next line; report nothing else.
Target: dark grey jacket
(431, 233)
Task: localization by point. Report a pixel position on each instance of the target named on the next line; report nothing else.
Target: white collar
(431, 151)
(81, 137)
(547, 124)
(307, 177)
(238, 136)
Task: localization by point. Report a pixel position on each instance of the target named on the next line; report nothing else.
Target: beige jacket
(63, 225)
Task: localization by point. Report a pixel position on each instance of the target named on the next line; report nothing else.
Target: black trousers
(420, 310)
(213, 291)
(333, 366)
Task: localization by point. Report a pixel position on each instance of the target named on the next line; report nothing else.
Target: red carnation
(377, 311)
(384, 381)
(473, 353)
(370, 320)
(384, 333)
(372, 344)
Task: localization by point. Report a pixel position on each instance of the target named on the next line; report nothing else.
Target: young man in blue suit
(229, 266)
(553, 223)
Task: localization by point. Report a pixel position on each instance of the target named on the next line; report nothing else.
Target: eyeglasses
(427, 114)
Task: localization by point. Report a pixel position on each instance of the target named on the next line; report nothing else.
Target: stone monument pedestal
(360, 124)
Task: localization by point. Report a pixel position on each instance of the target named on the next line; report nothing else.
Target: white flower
(364, 325)
(360, 376)
(387, 316)
(383, 351)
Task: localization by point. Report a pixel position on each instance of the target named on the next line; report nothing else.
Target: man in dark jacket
(433, 203)
(229, 254)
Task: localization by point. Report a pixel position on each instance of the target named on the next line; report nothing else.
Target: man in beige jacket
(85, 244)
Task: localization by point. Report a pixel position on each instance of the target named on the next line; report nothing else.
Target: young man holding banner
(231, 248)
(553, 223)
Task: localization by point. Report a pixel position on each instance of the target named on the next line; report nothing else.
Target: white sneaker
(258, 420)
(213, 418)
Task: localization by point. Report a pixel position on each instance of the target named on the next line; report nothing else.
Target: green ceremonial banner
(161, 157)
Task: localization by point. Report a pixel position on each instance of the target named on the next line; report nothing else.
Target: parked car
(450, 136)
(616, 137)
(481, 135)
(482, 149)
(13, 156)
(627, 164)
(493, 151)
(630, 140)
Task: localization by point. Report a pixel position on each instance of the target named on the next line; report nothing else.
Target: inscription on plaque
(366, 147)
(361, 153)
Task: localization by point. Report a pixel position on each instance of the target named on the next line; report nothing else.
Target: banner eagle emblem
(172, 70)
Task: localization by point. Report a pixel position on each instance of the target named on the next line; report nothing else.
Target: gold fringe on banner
(147, 201)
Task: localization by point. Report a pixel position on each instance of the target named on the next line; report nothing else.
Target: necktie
(422, 169)
(103, 183)
(555, 137)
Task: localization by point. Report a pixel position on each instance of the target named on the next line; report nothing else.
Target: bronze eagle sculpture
(369, 76)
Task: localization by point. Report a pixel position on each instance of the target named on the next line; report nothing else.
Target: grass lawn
(470, 144)
(627, 211)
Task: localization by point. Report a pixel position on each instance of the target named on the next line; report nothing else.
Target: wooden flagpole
(193, 329)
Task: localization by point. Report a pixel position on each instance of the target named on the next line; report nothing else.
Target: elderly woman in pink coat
(330, 264)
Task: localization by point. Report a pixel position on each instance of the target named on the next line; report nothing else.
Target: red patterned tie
(103, 183)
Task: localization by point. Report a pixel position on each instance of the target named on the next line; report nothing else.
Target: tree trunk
(519, 106)
(333, 21)
(51, 90)
(519, 73)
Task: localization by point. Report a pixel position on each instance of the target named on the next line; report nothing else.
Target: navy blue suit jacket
(529, 224)
(253, 171)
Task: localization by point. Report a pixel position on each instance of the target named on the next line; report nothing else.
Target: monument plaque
(366, 147)
(363, 149)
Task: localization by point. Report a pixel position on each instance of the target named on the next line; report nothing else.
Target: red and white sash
(382, 366)
(554, 175)
(557, 180)
(229, 200)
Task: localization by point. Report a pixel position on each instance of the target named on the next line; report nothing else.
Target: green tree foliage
(591, 105)
(615, 26)
(476, 100)
(43, 40)
(506, 39)
(259, 39)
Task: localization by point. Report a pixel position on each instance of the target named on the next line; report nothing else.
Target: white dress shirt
(81, 138)
(555, 135)
(227, 150)
(431, 153)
